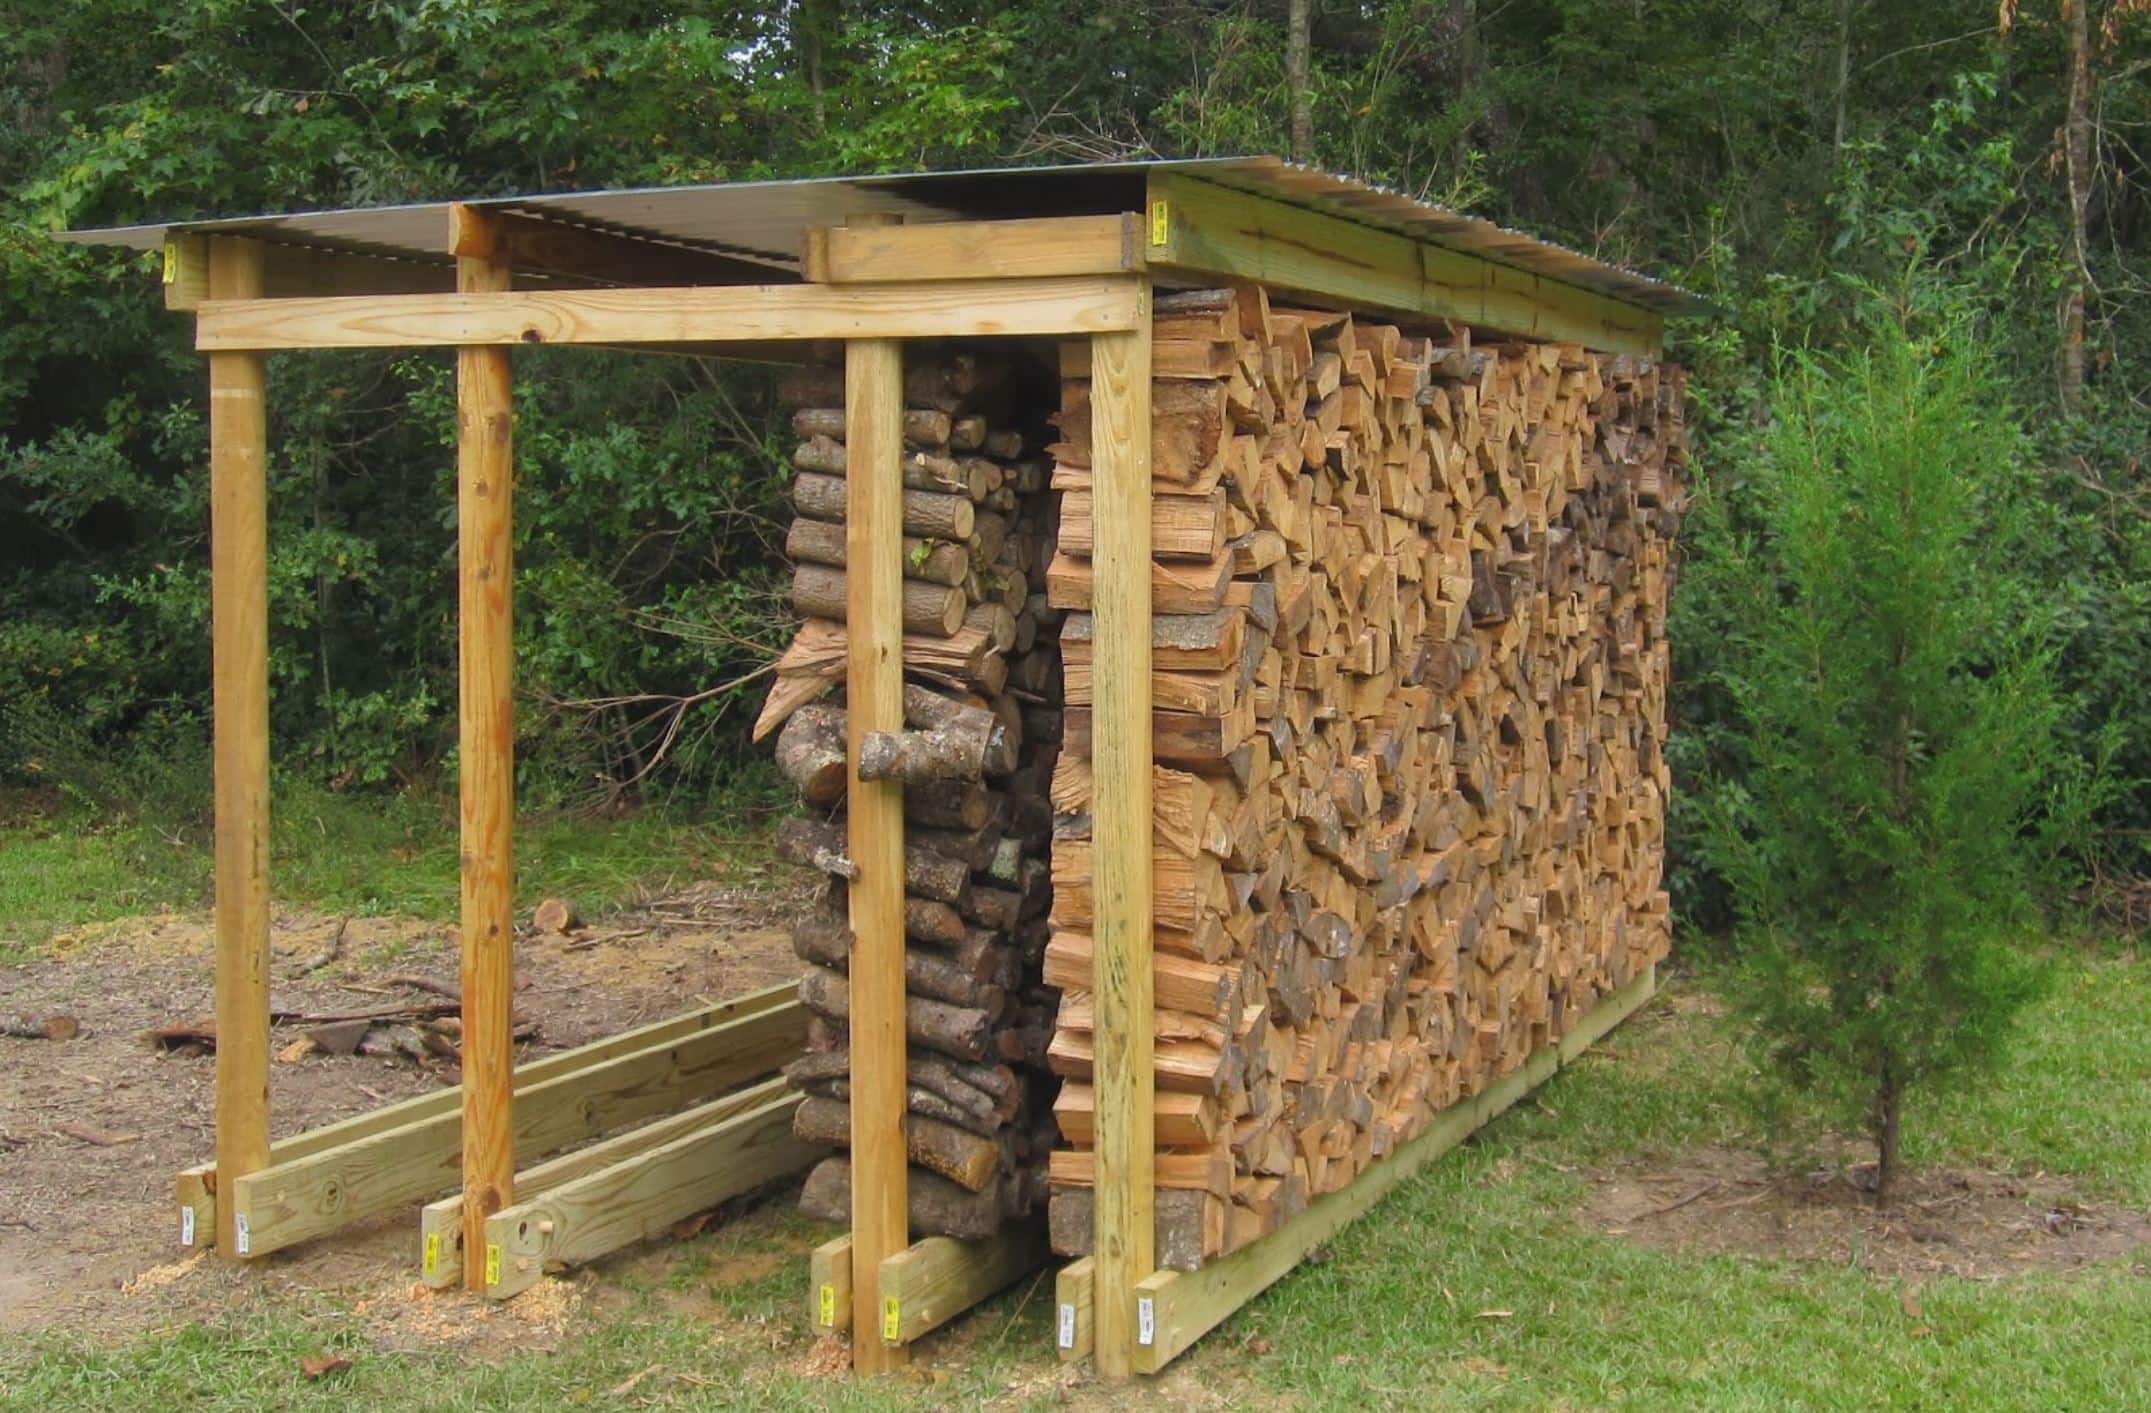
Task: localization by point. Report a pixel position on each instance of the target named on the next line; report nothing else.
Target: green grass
(1397, 1313)
(66, 862)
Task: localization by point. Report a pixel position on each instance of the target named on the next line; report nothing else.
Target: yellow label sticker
(828, 1307)
(171, 263)
(492, 1264)
(433, 1252)
(891, 1319)
(1161, 222)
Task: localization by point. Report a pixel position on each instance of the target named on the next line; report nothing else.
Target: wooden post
(485, 541)
(239, 635)
(874, 701)
(1123, 1243)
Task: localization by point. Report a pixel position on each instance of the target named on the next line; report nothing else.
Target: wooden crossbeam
(418, 1160)
(1209, 232)
(440, 1233)
(1178, 1308)
(724, 313)
(640, 1195)
(196, 1187)
(935, 1279)
(976, 250)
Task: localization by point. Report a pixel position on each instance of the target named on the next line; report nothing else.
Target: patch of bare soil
(93, 1128)
(1980, 1225)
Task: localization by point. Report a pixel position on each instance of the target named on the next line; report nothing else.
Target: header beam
(1210, 233)
(714, 314)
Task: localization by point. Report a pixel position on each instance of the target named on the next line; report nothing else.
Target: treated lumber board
(829, 1287)
(485, 716)
(874, 701)
(291, 270)
(938, 1278)
(440, 1230)
(1214, 232)
(1120, 785)
(688, 314)
(1072, 1310)
(529, 242)
(1029, 248)
(417, 1161)
(239, 675)
(1179, 1307)
(639, 1196)
(196, 1187)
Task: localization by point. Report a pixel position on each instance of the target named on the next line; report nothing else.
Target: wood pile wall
(1409, 687)
(983, 730)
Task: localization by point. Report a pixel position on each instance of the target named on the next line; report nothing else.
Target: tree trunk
(2076, 144)
(1298, 72)
(1889, 1106)
(1844, 72)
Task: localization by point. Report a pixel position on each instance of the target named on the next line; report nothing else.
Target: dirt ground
(93, 1128)
(1979, 1225)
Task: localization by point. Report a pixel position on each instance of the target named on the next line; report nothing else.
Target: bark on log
(938, 1207)
(962, 1157)
(931, 515)
(961, 1032)
(810, 753)
(819, 591)
(929, 561)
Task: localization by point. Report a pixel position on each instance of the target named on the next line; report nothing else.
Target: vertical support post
(239, 644)
(485, 574)
(1123, 1250)
(874, 701)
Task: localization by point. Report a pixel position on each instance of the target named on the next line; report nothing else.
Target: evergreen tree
(1889, 664)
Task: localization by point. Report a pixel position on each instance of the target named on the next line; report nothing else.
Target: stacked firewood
(976, 759)
(1409, 677)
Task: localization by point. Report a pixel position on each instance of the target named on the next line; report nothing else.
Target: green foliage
(1890, 667)
(1709, 139)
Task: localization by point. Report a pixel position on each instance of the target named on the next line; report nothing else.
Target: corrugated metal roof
(763, 222)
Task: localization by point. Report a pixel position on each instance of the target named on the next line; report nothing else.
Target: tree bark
(1298, 72)
(1889, 1108)
(2076, 145)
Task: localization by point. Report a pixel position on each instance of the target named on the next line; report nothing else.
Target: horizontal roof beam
(1029, 248)
(704, 314)
(1209, 232)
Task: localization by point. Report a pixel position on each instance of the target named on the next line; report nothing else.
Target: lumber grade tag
(1146, 1321)
(1161, 222)
(242, 1242)
(892, 1322)
(186, 1226)
(492, 1263)
(826, 1312)
(171, 265)
(433, 1252)
(1067, 1327)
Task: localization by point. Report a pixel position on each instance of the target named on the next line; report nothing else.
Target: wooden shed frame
(873, 283)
